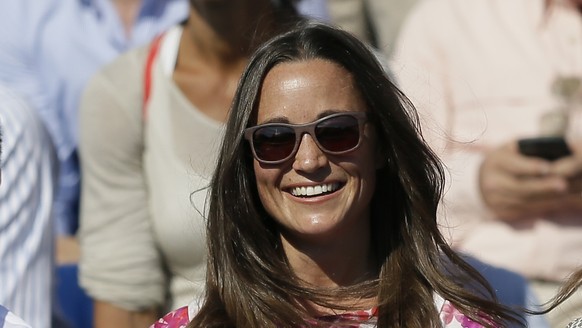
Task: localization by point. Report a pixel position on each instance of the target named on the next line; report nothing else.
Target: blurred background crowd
(111, 113)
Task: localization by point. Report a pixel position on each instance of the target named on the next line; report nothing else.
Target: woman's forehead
(302, 89)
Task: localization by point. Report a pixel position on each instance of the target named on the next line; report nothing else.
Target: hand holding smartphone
(550, 148)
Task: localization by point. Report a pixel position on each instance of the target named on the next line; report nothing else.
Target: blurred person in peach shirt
(483, 74)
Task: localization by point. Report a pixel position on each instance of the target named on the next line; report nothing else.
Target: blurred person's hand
(515, 186)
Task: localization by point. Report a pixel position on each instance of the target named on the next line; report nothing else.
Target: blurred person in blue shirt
(51, 48)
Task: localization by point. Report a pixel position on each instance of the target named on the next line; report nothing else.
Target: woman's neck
(228, 33)
(201, 44)
(128, 10)
(341, 263)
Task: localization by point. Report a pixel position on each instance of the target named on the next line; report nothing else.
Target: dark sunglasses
(275, 143)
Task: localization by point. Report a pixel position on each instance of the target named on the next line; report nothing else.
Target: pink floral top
(450, 317)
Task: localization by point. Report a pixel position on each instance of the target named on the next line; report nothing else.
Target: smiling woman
(338, 150)
(323, 204)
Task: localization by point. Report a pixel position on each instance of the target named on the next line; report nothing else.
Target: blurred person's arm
(120, 265)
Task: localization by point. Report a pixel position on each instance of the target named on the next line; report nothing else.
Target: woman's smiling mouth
(315, 190)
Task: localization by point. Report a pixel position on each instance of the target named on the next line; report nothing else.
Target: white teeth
(317, 190)
(314, 190)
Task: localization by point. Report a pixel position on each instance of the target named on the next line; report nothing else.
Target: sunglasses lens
(338, 134)
(273, 143)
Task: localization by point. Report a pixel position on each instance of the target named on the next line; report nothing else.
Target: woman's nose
(309, 157)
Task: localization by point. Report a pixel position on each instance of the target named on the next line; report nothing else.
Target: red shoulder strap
(154, 48)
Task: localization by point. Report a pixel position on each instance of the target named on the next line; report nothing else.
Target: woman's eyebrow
(328, 112)
(284, 119)
(276, 119)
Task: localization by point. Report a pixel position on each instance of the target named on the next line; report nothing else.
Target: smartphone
(550, 148)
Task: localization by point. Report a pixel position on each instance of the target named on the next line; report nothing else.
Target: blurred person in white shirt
(28, 175)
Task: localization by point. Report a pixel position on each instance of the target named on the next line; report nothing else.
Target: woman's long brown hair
(249, 281)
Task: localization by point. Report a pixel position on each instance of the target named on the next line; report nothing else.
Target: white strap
(169, 50)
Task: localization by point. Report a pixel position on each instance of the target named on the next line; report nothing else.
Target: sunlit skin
(327, 235)
(517, 187)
